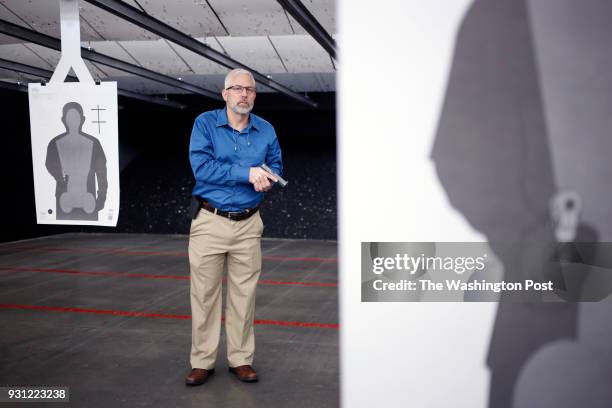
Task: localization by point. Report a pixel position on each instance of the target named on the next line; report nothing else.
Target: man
(227, 148)
(76, 160)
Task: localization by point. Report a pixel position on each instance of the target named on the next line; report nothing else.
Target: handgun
(281, 180)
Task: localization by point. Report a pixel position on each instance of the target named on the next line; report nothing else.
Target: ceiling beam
(35, 37)
(44, 73)
(13, 87)
(135, 16)
(310, 24)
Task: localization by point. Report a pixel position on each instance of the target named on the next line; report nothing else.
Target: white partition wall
(394, 66)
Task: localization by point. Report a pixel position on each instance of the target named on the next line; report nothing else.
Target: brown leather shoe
(198, 376)
(244, 373)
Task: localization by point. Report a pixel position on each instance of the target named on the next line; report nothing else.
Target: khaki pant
(213, 240)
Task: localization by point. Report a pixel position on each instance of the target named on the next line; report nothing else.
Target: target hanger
(71, 45)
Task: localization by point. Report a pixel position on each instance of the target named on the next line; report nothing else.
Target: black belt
(232, 215)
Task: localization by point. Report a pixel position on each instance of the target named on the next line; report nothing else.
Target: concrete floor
(87, 311)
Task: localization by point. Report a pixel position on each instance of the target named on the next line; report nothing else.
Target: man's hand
(262, 180)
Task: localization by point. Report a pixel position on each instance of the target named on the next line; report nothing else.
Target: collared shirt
(221, 158)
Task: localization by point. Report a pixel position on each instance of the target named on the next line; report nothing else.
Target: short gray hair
(236, 71)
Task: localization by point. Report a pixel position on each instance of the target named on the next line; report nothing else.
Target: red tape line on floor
(161, 253)
(153, 276)
(157, 315)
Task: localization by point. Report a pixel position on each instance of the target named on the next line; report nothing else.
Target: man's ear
(224, 94)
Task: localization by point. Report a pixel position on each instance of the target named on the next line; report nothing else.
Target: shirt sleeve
(274, 158)
(203, 163)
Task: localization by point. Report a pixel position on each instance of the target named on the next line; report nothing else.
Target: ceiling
(258, 33)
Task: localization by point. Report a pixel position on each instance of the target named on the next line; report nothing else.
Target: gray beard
(241, 111)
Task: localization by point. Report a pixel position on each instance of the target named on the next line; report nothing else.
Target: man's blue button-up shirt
(221, 158)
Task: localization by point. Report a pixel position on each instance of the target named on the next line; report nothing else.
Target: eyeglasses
(239, 88)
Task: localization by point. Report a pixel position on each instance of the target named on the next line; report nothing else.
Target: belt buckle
(237, 215)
